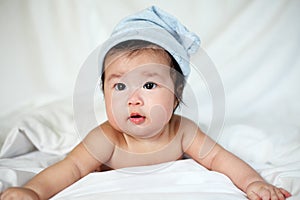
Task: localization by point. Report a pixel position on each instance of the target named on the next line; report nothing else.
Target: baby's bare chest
(123, 158)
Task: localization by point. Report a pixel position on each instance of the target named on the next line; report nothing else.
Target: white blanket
(254, 45)
(183, 179)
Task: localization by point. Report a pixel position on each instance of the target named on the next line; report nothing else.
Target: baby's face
(139, 93)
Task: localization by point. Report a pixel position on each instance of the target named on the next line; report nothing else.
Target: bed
(254, 46)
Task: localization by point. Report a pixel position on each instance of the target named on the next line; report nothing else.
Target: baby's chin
(143, 131)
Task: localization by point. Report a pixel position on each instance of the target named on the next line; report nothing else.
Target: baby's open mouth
(136, 118)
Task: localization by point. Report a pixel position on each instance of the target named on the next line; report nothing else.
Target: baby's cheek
(159, 115)
(113, 112)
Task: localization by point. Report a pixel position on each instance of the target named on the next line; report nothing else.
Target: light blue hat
(158, 27)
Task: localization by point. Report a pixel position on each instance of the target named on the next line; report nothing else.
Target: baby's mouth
(136, 118)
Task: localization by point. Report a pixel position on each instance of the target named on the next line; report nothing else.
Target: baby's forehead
(147, 69)
(146, 55)
(134, 51)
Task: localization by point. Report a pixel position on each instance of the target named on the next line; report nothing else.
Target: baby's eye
(149, 85)
(120, 86)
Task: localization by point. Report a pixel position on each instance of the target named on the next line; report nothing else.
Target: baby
(143, 76)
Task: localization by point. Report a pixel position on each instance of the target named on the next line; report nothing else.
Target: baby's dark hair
(133, 47)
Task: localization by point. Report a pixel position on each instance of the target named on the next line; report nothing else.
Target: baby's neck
(149, 144)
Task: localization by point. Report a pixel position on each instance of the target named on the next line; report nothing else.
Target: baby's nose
(135, 99)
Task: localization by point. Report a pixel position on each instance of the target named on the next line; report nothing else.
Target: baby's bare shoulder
(181, 126)
(103, 132)
(182, 123)
(185, 127)
(107, 130)
(100, 142)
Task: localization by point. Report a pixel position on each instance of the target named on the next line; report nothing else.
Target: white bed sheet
(16, 171)
(254, 44)
(183, 179)
(174, 180)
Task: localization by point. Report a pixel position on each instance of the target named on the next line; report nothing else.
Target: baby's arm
(211, 155)
(55, 178)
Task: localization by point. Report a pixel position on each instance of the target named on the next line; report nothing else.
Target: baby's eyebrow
(151, 74)
(145, 73)
(113, 76)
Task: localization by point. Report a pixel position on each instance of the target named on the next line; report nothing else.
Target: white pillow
(49, 129)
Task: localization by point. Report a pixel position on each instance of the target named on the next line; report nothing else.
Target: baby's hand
(260, 190)
(19, 194)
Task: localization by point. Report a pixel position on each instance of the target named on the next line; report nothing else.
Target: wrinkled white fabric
(254, 45)
(175, 180)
